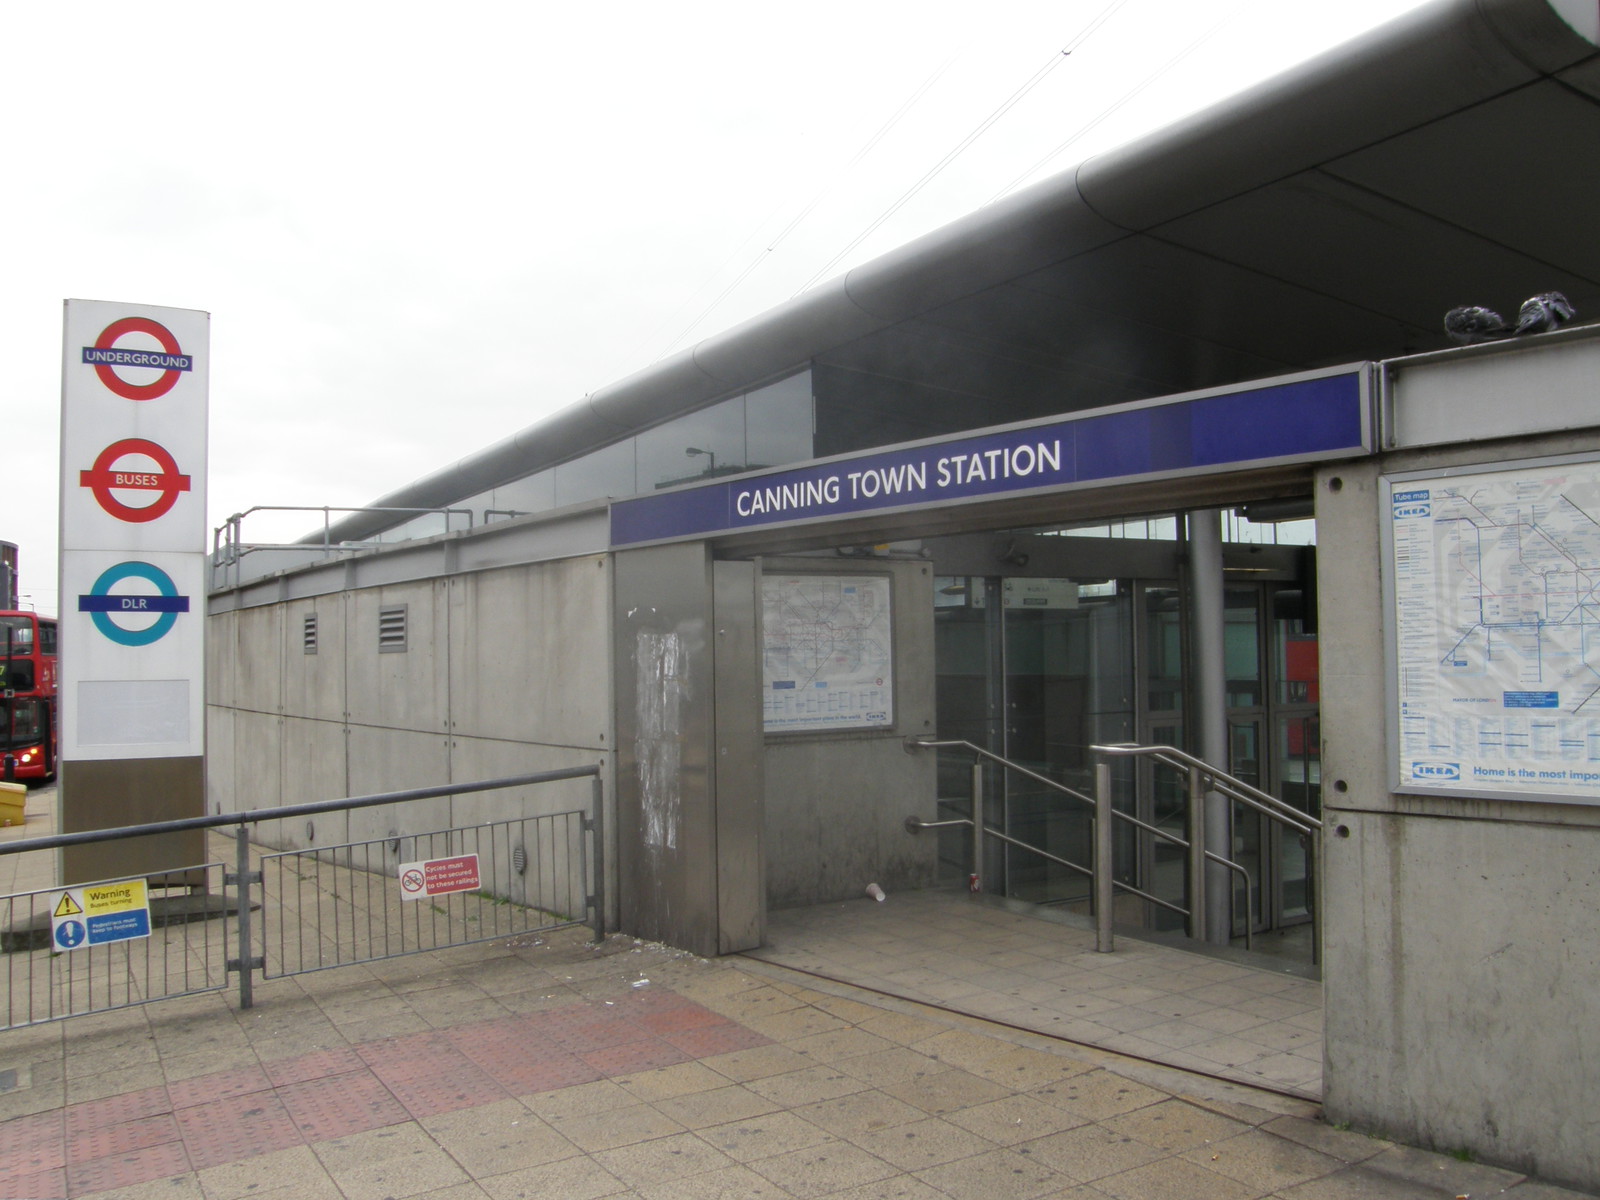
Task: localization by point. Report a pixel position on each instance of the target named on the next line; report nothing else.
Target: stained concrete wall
(1461, 962)
(505, 671)
(836, 804)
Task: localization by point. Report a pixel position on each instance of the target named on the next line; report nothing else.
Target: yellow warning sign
(113, 897)
(68, 906)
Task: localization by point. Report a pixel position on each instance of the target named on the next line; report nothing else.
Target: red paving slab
(336, 1106)
(316, 1065)
(154, 1133)
(429, 1075)
(240, 1127)
(127, 1170)
(45, 1185)
(208, 1089)
(121, 1138)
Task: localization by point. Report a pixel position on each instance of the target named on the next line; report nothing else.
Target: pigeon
(1544, 312)
(1469, 326)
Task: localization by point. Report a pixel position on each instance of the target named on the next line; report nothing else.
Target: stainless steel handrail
(228, 546)
(1203, 778)
(1101, 874)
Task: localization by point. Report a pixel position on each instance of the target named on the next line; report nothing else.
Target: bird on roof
(1469, 325)
(1544, 312)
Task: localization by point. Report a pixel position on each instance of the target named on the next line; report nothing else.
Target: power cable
(1011, 102)
(870, 144)
(1128, 96)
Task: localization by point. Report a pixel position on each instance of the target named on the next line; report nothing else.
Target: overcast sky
(419, 228)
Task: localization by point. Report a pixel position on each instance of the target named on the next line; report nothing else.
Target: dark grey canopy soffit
(1332, 214)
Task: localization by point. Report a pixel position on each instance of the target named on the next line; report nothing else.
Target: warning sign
(100, 913)
(439, 877)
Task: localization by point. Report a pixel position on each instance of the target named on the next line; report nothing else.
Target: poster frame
(1389, 482)
(886, 580)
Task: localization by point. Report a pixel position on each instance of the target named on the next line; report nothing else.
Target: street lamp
(696, 452)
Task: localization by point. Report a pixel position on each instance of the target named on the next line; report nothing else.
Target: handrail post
(1102, 857)
(597, 798)
(242, 894)
(1314, 893)
(975, 880)
(1195, 831)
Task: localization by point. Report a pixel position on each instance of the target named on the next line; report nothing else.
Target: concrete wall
(505, 671)
(1461, 970)
(836, 804)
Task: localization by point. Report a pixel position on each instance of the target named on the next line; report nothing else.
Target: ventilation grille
(309, 635)
(392, 629)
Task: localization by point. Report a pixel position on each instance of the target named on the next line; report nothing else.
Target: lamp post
(696, 452)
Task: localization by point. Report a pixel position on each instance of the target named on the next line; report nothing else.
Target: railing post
(1102, 857)
(975, 880)
(1195, 831)
(241, 878)
(1314, 893)
(597, 798)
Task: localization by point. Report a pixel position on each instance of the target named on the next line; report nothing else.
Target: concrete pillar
(1210, 694)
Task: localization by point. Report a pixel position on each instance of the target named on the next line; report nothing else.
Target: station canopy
(1330, 215)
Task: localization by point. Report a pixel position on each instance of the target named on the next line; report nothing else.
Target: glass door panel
(1250, 833)
(1066, 687)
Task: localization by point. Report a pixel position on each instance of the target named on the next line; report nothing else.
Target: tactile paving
(121, 1138)
(335, 1106)
(42, 1185)
(228, 1116)
(208, 1089)
(631, 1057)
(113, 1110)
(236, 1128)
(429, 1076)
(314, 1066)
(710, 1040)
(126, 1170)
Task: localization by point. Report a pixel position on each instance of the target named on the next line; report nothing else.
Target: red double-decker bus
(27, 695)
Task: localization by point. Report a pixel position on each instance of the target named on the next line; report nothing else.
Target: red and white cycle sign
(438, 877)
(109, 475)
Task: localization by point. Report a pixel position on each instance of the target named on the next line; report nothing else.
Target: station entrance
(1082, 637)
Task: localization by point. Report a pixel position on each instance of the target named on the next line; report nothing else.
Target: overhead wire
(983, 126)
(866, 148)
(1126, 98)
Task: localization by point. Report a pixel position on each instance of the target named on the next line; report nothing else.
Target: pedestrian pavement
(544, 1066)
(1248, 1018)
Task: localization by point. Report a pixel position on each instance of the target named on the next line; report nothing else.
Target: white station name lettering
(904, 479)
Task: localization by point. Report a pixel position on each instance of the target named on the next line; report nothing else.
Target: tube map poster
(1497, 631)
(827, 653)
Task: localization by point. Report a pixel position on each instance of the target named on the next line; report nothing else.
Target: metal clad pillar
(1206, 609)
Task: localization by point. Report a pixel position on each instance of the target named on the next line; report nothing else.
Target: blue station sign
(1298, 420)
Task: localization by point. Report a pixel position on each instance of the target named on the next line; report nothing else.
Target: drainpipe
(1211, 704)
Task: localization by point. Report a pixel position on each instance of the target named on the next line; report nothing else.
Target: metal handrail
(1247, 794)
(594, 825)
(230, 549)
(959, 744)
(1204, 776)
(1106, 884)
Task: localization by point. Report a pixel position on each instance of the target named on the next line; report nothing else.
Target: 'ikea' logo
(1435, 770)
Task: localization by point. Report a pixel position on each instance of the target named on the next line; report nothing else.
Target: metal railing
(320, 908)
(228, 546)
(1203, 779)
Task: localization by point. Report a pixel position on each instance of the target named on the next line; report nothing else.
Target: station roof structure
(1331, 214)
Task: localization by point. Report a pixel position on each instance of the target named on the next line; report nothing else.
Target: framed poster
(1493, 590)
(827, 653)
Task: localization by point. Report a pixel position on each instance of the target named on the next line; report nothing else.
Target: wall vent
(309, 634)
(392, 629)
